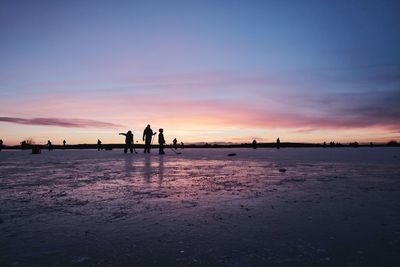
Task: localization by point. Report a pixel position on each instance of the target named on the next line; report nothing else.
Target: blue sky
(232, 70)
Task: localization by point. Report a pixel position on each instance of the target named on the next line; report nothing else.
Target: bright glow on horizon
(215, 72)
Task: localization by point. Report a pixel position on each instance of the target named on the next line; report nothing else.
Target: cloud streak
(306, 112)
(60, 122)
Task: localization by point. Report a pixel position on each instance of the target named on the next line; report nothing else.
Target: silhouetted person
(147, 136)
(278, 143)
(98, 145)
(324, 144)
(371, 144)
(182, 145)
(161, 141)
(1, 144)
(254, 143)
(64, 142)
(128, 141)
(175, 143)
(49, 145)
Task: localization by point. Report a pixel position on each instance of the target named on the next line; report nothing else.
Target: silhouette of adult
(161, 141)
(254, 143)
(128, 141)
(175, 142)
(49, 145)
(147, 137)
(278, 143)
(1, 144)
(98, 145)
(64, 142)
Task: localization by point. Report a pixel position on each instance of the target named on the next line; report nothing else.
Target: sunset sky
(304, 71)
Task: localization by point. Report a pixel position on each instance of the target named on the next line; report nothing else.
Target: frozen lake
(330, 207)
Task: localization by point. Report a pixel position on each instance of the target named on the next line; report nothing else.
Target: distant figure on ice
(98, 145)
(128, 141)
(182, 145)
(254, 143)
(278, 143)
(49, 145)
(161, 141)
(1, 144)
(147, 137)
(175, 143)
(64, 142)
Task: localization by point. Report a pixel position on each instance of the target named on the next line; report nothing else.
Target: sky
(211, 71)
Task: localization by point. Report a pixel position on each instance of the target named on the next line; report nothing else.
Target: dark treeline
(206, 145)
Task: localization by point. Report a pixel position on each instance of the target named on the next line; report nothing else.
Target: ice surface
(201, 208)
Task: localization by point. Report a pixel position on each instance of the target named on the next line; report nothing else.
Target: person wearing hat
(128, 141)
(148, 135)
(161, 141)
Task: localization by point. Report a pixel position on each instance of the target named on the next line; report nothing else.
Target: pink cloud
(61, 122)
(297, 113)
(178, 83)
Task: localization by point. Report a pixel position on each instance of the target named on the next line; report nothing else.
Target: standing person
(175, 142)
(254, 144)
(278, 143)
(49, 145)
(147, 136)
(182, 145)
(1, 144)
(128, 141)
(161, 141)
(98, 145)
(64, 142)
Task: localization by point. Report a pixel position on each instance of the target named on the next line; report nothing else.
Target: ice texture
(330, 207)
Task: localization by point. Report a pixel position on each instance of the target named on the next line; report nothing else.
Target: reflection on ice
(204, 174)
(160, 169)
(202, 192)
(147, 171)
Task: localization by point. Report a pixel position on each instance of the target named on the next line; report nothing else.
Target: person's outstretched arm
(122, 134)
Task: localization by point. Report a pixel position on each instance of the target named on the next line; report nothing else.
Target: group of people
(148, 135)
